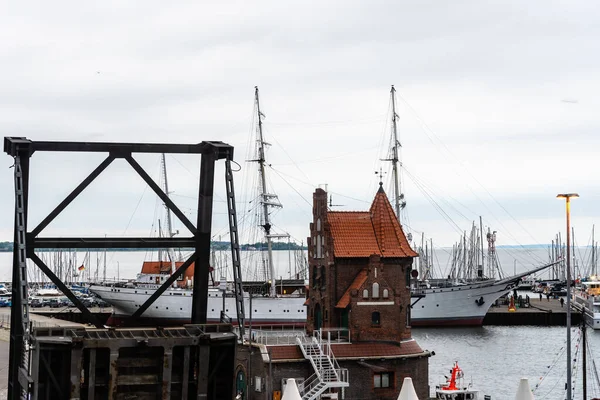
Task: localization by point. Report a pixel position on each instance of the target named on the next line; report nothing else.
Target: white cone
(524, 391)
(291, 391)
(408, 390)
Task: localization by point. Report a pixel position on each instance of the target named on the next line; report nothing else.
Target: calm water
(495, 358)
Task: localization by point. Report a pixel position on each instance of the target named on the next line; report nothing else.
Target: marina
(405, 210)
(172, 333)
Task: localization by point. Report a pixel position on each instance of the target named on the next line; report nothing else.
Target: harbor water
(494, 358)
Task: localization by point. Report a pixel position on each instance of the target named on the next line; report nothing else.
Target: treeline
(258, 246)
(8, 246)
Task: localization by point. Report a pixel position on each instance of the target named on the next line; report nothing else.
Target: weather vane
(380, 173)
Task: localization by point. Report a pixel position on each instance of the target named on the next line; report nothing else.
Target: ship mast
(267, 200)
(170, 233)
(399, 202)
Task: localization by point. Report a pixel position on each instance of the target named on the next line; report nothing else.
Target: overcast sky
(497, 101)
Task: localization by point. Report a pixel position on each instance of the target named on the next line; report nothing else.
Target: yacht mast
(267, 200)
(170, 233)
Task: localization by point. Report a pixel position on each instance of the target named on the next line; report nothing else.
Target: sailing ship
(174, 306)
(457, 303)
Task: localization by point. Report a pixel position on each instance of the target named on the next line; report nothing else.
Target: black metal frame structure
(25, 243)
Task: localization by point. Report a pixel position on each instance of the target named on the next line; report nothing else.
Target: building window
(386, 293)
(383, 379)
(375, 290)
(365, 294)
(319, 246)
(376, 318)
(318, 224)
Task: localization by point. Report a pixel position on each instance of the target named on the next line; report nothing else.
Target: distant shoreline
(7, 247)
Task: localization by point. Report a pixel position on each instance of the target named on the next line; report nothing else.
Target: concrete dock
(38, 321)
(537, 312)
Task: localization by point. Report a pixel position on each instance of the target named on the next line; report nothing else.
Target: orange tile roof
(156, 267)
(352, 350)
(363, 233)
(360, 279)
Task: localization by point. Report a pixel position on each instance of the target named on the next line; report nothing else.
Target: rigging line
(557, 359)
(291, 186)
(294, 163)
(335, 157)
(340, 122)
(526, 249)
(434, 203)
(443, 197)
(466, 170)
(219, 198)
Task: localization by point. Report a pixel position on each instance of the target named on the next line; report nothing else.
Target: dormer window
(365, 294)
(375, 290)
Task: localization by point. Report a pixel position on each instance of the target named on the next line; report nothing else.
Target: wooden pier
(545, 312)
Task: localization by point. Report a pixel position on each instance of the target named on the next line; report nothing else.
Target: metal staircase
(328, 373)
(235, 248)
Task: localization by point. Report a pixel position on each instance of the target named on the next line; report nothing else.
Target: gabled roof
(364, 233)
(356, 284)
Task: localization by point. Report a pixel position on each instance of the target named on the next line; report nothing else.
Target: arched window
(375, 290)
(318, 224)
(319, 247)
(365, 294)
(375, 318)
(386, 293)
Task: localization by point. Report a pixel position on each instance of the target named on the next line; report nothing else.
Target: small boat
(454, 388)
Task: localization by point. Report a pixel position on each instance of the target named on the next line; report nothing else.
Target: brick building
(360, 264)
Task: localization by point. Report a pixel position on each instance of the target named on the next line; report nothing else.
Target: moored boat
(174, 306)
(455, 387)
(461, 305)
(586, 298)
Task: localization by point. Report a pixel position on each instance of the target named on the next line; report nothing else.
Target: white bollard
(524, 391)
(291, 391)
(408, 390)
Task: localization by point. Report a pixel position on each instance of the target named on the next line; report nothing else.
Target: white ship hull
(454, 306)
(589, 306)
(458, 305)
(174, 306)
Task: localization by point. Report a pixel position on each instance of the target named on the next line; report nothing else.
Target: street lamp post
(567, 197)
